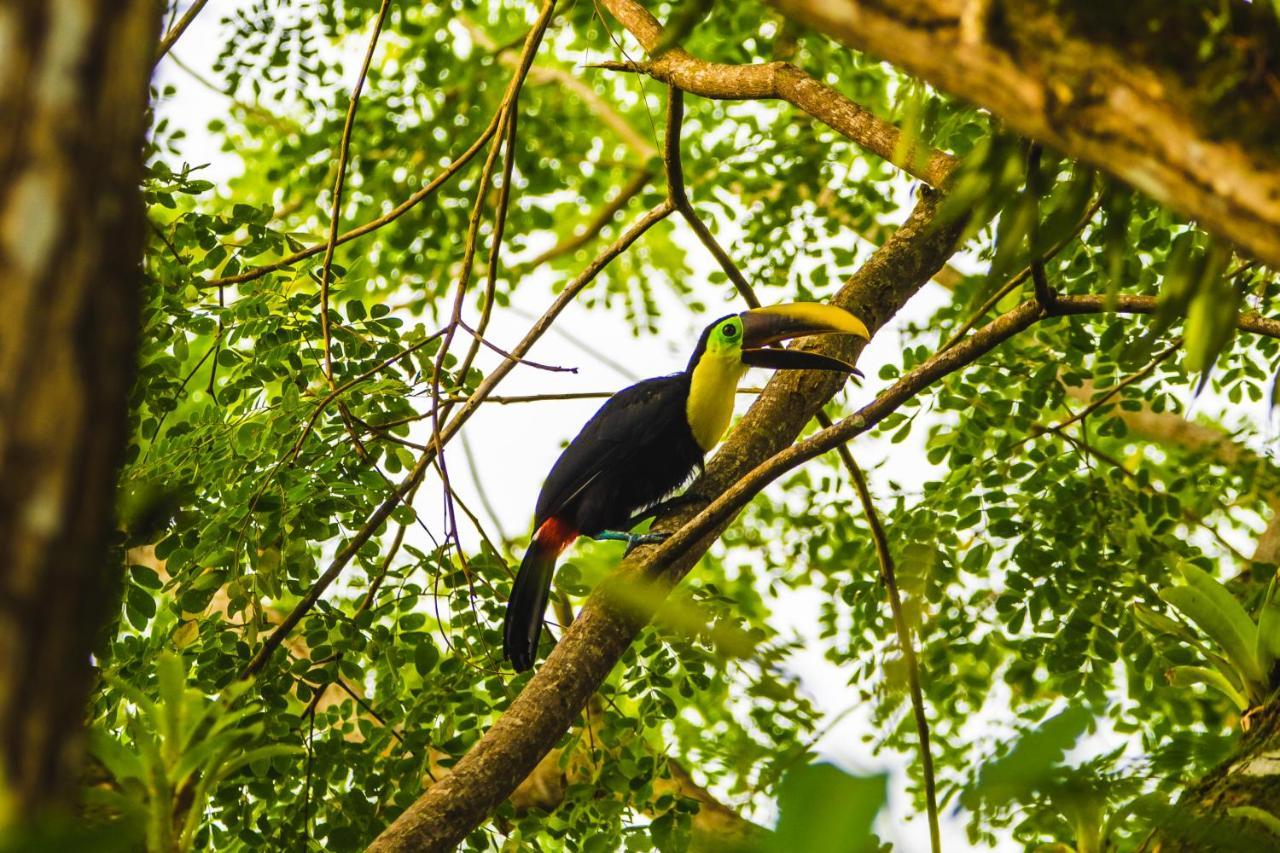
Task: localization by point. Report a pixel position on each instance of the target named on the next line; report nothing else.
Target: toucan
(646, 441)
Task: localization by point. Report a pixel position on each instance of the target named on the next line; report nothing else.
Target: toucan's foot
(645, 539)
(632, 539)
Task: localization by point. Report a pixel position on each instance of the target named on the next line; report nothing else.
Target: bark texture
(1221, 811)
(1146, 91)
(73, 94)
(781, 81)
(553, 699)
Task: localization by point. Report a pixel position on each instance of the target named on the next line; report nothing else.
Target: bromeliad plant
(174, 752)
(1243, 652)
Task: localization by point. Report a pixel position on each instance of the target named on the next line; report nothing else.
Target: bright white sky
(522, 441)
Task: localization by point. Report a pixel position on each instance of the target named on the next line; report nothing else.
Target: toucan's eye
(730, 331)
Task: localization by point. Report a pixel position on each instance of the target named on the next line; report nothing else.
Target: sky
(511, 470)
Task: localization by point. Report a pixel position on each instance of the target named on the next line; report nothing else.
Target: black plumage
(637, 449)
(634, 451)
(646, 441)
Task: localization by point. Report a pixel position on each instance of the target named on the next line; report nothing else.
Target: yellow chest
(711, 395)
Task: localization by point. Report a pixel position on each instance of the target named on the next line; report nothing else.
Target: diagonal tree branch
(588, 650)
(889, 578)
(171, 37)
(775, 80)
(755, 455)
(372, 225)
(1090, 81)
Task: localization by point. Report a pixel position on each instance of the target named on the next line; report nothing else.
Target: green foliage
(1033, 560)
(825, 810)
(179, 748)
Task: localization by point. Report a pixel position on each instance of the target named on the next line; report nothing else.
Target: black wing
(623, 426)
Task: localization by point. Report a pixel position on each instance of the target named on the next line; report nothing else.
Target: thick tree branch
(755, 455)
(1247, 321)
(588, 650)
(781, 81)
(1117, 90)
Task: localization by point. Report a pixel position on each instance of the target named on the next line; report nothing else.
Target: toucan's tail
(528, 602)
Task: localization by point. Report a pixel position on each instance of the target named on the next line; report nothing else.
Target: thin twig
(474, 469)
(372, 225)
(507, 116)
(182, 387)
(676, 190)
(175, 33)
(1045, 294)
(479, 339)
(1150, 485)
(1106, 396)
(1018, 279)
(335, 210)
(376, 583)
(903, 629)
(351, 383)
(593, 227)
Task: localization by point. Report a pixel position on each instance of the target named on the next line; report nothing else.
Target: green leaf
(1214, 610)
(1211, 319)
(123, 763)
(1267, 642)
(822, 809)
(1034, 760)
(1185, 676)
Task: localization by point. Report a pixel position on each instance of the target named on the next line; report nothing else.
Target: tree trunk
(1147, 91)
(1228, 808)
(73, 94)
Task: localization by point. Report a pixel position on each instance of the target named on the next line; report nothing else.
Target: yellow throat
(711, 394)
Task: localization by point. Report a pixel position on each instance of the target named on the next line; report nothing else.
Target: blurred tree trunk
(73, 94)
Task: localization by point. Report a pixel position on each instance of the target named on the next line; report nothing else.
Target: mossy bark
(1221, 811)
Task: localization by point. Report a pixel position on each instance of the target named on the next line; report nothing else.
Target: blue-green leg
(632, 539)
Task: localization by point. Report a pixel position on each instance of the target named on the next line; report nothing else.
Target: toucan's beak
(764, 326)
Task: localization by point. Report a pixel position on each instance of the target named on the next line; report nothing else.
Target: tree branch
(171, 37)
(335, 211)
(1070, 77)
(374, 224)
(775, 80)
(680, 198)
(554, 697)
(594, 226)
(641, 147)
(903, 629)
